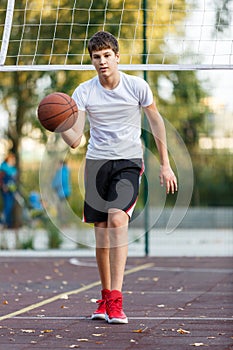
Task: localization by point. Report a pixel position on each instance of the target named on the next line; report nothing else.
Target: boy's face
(105, 62)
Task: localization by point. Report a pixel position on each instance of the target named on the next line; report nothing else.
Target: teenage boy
(114, 162)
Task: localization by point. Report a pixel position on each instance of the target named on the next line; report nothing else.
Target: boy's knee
(117, 218)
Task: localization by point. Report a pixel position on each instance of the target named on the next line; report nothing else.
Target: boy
(113, 102)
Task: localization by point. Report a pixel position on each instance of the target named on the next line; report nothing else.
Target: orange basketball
(57, 112)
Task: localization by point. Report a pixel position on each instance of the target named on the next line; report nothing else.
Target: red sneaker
(114, 311)
(100, 312)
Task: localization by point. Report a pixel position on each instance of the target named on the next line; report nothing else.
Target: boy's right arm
(73, 136)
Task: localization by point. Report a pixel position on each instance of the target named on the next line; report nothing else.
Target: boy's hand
(168, 178)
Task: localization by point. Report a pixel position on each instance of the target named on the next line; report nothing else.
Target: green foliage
(185, 108)
(27, 243)
(223, 15)
(213, 179)
(54, 236)
(30, 179)
(21, 91)
(213, 184)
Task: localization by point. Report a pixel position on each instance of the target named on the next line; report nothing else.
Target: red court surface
(171, 303)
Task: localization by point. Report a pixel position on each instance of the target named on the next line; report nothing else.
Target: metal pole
(145, 136)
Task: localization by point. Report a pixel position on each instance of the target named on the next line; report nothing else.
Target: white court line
(191, 269)
(182, 292)
(185, 318)
(65, 294)
(131, 318)
(77, 262)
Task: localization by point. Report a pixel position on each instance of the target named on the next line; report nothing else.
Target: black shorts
(111, 184)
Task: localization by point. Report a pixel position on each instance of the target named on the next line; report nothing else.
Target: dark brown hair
(103, 40)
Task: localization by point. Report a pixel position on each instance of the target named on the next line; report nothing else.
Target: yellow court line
(62, 295)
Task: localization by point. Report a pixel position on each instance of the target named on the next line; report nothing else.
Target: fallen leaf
(140, 330)
(5, 302)
(46, 331)
(47, 277)
(143, 278)
(182, 331)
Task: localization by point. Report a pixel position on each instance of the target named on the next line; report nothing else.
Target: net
(153, 34)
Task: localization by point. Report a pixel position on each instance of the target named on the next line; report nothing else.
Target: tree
(223, 15)
(21, 91)
(185, 107)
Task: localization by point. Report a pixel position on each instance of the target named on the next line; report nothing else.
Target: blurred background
(198, 104)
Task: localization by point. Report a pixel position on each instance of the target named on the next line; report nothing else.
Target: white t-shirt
(114, 116)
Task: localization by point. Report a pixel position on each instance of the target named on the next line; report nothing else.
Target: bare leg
(102, 254)
(118, 234)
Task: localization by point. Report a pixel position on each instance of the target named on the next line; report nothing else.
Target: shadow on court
(171, 303)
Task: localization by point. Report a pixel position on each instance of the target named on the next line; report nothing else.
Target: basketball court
(180, 297)
(171, 302)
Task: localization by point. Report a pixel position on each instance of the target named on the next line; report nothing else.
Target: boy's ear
(118, 57)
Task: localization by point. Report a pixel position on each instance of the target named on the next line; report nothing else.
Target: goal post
(53, 34)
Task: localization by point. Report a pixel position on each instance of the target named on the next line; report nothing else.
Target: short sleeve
(79, 95)
(144, 92)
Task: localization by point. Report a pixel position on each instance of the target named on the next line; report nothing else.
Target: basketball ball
(57, 112)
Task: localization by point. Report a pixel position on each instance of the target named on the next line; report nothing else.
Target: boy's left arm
(156, 122)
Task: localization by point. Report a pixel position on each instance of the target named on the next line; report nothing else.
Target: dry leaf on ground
(46, 331)
(182, 331)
